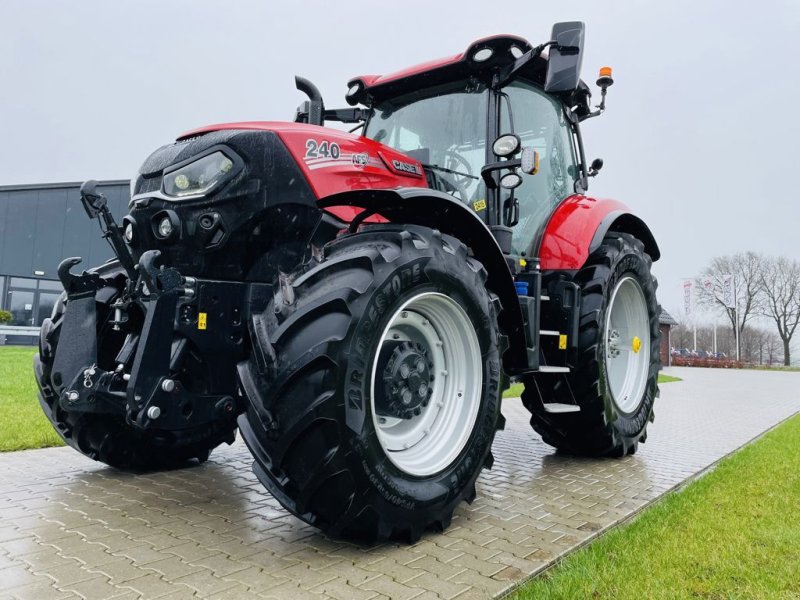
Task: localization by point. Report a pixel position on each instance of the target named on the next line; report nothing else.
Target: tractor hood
(334, 161)
(239, 193)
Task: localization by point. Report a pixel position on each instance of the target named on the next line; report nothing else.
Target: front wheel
(615, 380)
(375, 384)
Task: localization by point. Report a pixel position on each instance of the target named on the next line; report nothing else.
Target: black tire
(601, 428)
(108, 438)
(309, 424)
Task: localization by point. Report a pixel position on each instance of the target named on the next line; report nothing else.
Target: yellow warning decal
(562, 342)
(479, 205)
(637, 344)
(201, 320)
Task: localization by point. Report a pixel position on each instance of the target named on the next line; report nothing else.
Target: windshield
(444, 128)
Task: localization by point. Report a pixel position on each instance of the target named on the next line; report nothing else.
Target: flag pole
(736, 317)
(715, 339)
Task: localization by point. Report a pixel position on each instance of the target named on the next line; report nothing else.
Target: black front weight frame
(182, 315)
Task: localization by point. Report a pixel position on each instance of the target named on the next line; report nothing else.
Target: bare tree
(780, 291)
(747, 269)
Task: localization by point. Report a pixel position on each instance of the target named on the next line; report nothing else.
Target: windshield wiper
(445, 170)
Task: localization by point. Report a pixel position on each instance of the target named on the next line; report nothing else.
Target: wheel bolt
(72, 396)
(404, 371)
(423, 390)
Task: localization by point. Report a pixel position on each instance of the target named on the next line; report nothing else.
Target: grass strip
(22, 422)
(732, 534)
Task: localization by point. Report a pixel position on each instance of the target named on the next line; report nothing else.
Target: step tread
(549, 369)
(558, 407)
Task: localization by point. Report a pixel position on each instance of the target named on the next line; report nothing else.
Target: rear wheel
(615, 381)
(108, 438)
(375, 384)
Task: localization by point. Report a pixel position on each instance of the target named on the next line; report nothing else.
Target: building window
(23, 282)
(30, 301)
(54, 286)
(20, 305)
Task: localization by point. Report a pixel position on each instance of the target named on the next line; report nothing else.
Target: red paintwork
(373, 80)
(566, 240)
(431, 65)
(328, 176)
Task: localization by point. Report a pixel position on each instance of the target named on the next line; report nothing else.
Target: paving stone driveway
(70, 527)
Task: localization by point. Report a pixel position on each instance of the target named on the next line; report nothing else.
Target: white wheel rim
(627, 345)
(429, 442)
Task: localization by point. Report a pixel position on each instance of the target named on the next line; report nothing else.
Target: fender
(441, 211)
(577, 228)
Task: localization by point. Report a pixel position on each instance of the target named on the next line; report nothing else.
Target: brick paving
(73, 528)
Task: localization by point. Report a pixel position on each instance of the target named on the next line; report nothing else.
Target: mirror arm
(507, 74)
(488, 170)
(601, 108)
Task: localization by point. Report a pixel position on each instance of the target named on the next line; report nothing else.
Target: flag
(729, 291)
(688, 296)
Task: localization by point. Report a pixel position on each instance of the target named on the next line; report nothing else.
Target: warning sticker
(562, 342)
(479, 205)
(201, 320)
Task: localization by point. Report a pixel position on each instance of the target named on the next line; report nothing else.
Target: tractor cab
(448, 114)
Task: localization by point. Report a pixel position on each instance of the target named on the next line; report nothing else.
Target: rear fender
(441, 211)
(578, 226)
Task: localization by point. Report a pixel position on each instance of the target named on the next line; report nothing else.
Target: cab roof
(501, 50)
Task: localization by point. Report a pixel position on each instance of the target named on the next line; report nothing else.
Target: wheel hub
(407, 380)
(627, 345)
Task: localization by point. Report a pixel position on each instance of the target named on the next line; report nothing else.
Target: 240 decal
(323, 149)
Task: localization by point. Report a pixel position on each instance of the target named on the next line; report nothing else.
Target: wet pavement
(72, 528)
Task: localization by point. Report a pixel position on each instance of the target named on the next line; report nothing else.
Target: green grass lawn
(735, 533)
(22, 422)
(667, 378)
(515, 391)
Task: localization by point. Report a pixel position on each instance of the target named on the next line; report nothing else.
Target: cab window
(540, 123)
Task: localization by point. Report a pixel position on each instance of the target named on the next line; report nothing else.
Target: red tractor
(356, 303)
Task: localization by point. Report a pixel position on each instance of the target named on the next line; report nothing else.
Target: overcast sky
(699, 136)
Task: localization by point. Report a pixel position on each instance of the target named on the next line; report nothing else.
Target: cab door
(540, 122)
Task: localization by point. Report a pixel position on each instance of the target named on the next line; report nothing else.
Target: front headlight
(197, 177)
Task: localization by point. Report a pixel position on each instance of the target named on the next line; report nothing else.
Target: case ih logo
(405, 167)
(360, 160)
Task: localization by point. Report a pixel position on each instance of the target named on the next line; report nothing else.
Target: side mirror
(594, 169)
(566, 57)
